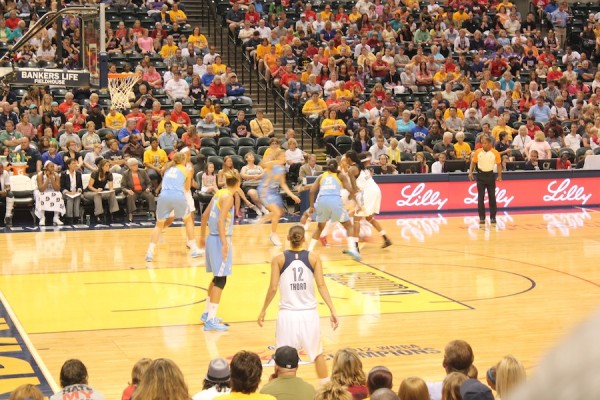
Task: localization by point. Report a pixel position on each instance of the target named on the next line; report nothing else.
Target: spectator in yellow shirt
(155, 159)
(261, 127)
(161, 125)
(169, 49)
(207, 108)
(331, 128)
(461, 148)
(177, 15)
(315, 107)
(342, 93)
(221, 119)
(502, 127)
(114, 120)
(460, 16)
(198, 39)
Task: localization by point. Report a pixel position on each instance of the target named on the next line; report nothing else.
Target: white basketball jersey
(296, 282)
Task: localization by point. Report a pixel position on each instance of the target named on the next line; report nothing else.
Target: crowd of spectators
(241, 377)
(404, 81)
(417, 72)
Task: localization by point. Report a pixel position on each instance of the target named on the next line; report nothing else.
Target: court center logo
(419, 196)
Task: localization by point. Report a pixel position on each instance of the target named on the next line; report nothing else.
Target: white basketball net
(120, 89)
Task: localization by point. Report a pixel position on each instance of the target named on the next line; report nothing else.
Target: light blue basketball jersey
(215, 214)
(330, 185)
(174, 181)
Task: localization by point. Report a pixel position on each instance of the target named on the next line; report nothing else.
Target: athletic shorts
(214, 261)
(190, 200)
(300, 330)
(169, 203)
(330, 208)
(269, 197)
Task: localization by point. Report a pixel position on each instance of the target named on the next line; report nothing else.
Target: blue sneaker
(213, 325)
(204, 318)
(354, 254)
(149, 257)
(197, 253)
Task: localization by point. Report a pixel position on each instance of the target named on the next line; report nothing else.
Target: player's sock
(212, 311)
(326, 230)
(208, 303)
(351, 243)
(192, 244)
(307, 224)
(151, 247)
(382, 232)
(324, 381)
(312, 244)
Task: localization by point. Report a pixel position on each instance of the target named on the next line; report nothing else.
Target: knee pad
(220, 281)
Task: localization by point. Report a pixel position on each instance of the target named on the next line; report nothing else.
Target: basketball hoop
(120, 86)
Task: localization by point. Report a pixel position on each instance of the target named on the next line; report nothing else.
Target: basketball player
(188, 193)
(218, 216)
(369, 196)
(268, 191)
(329, 206)
(294, 273)
(176, 181)
(484, 159)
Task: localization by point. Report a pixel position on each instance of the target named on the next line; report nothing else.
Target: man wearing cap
(96, 117)
(216, 382)
(136, 185)
(284, 383)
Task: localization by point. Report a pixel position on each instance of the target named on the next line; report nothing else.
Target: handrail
(248, 64)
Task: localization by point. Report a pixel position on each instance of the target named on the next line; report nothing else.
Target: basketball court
(511, 288)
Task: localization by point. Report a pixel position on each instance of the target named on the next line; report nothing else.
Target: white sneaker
(42, 221)
(197, 253)
(275, 239)
(57, 221)
(264, 210)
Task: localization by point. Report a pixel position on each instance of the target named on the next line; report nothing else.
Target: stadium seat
(227, 142)
(217, 161)
(246, 141)
(22, 189)
(226, 151)
(262, 150)
(208, 151)
(243, 150)
(263, 141)
(208, 142)
(238, 162)
(343, 143)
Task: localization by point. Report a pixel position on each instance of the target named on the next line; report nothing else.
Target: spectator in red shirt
(498, 66)
(67, 106)
(287, 77)
(379, 68)
(136, 115)
(179, 116)
(547, 58)
(310, 14)
(251, 15)
(563, 162)
(217, 89)
(13, 21)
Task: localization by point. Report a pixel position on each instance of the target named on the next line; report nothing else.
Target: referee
(484, 159)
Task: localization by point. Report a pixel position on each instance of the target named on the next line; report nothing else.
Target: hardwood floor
(512, 288)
